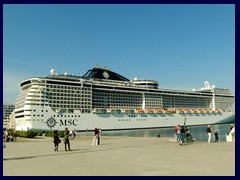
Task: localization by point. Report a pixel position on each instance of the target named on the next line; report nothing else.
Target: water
(198, 132)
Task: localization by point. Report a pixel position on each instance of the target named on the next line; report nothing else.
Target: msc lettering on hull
(68, 122)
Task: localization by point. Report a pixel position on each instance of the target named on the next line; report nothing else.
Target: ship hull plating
(111, 122)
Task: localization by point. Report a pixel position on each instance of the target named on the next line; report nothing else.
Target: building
(8, 109)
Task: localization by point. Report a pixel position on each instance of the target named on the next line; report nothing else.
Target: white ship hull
(122, 121)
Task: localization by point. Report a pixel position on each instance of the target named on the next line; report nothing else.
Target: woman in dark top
(56, 140)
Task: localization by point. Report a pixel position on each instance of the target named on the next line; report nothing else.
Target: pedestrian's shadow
(63, 152)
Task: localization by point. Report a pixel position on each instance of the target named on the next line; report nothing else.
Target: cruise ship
(102, 98)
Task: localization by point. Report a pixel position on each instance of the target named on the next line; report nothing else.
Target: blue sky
(180, 46)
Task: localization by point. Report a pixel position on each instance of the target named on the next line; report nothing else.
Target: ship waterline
(104, 99)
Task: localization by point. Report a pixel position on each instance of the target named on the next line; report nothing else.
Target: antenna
(207, 85)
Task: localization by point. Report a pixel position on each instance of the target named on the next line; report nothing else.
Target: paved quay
(118, 156)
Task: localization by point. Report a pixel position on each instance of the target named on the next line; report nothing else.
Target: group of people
(182, 134)
(7, 138)
(67, 135)
(216, 135)
(179, 132)
(57, 140)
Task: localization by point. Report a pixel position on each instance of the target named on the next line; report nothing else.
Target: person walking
(233, 133)
(99, 135)
(216, 136)
(179, 135)
(209, 132)
(66, 140)
(6, 136)
(14, 135)
(56, 140)
(95, 136)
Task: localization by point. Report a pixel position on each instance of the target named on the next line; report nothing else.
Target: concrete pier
(118, 156)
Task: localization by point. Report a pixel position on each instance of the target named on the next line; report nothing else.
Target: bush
(26, 134)
(50, 133)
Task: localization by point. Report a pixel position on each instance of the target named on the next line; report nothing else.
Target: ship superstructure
(104, 99)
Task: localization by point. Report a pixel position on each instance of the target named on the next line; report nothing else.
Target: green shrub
(50, 133)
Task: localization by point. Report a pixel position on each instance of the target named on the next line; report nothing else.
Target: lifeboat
(171, 111)
(159, 111)
(195, 111)
(129, 111)
(149, 111)
(180, 111)
(187, 111)
(207, 111)
(115, 111)
(100, 111)
(200, 111)
(139, 111)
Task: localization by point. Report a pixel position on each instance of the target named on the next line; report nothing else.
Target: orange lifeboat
(140, 111)
(180, 111)
(195, 111)
(213, 111)
(166, 111)
(171, 111)
(187, 111)
(207, 111)
(149, 111)
(159, 111)
(200, 111)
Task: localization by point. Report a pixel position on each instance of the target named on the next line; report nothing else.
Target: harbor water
(198, 132)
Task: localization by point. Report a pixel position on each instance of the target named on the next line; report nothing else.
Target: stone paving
(118, 156)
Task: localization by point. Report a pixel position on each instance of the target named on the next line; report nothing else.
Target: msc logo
(51, 122)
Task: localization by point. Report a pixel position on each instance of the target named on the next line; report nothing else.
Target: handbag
(59, 140)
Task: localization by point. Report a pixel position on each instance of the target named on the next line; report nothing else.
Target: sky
(180, 46)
